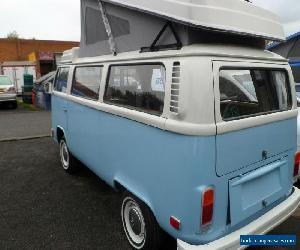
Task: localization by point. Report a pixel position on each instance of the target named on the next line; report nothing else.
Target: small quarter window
(87, 82)
(139, 87)
(245, 93)
(61, 80)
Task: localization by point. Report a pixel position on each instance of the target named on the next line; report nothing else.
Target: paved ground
(23, 123)
(41, 207)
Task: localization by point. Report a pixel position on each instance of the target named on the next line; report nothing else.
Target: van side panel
(164, 169)
(59, 116)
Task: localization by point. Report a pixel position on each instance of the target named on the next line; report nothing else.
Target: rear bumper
(8, 97)
(262, 225)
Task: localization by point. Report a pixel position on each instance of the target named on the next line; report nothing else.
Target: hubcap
(64, 155)
(133, 223)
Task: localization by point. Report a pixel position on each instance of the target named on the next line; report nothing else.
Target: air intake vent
(175, 88)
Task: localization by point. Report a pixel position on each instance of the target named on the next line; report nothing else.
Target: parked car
(103, 129)
(43, 83)
(198, 137)
(8, 93)
(42, 90)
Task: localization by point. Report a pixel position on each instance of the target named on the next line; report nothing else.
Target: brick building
(43, 52)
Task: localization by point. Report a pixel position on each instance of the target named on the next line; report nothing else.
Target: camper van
(188, 117)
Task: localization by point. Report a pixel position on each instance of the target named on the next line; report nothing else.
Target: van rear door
(254, 114)
(256, 133)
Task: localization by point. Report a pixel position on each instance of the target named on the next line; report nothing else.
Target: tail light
(296, 165)
(11, 90)
(208, 199)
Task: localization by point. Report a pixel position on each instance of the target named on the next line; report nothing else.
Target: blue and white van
(200, 139)
(201, 143)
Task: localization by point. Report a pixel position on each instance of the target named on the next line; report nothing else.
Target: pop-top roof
(237, 16)
(117, 26)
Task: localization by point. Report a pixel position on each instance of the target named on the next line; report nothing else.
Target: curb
(25, 138)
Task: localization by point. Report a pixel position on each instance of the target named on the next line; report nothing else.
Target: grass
(26, 106)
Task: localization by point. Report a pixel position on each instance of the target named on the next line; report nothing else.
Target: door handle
(65, 109)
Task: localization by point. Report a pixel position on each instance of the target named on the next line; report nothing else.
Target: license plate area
(257, 190)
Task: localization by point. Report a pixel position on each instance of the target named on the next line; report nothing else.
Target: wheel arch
(60, 133)
(123, 186)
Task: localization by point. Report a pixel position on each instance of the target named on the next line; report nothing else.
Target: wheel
(139, 224)
(14, 105)
(69, 163)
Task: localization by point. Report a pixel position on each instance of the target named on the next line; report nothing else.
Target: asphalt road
(44, 208)
(22, 123)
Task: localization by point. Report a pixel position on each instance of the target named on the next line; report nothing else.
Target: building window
(245, 93)
(87, 81)
(61, 81)
(138, 87)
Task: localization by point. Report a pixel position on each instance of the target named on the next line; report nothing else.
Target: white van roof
(69, 55)
(211, 50)
(237, 16)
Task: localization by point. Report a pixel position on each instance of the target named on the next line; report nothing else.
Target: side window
(61, 81)
(87, 81)
(138, 87)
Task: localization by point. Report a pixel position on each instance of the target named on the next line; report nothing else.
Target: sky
(60, 19)
(288, 10)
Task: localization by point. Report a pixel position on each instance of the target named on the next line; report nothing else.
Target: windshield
(252, 92)
(5, 81)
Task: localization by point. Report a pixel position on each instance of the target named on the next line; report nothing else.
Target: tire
(139, 224)
(69, 163)
(14, 105)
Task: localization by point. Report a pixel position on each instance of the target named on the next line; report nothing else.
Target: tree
(13, 35)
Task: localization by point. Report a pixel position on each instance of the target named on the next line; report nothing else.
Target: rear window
(251, 92)
(138, 87)
(5, 81)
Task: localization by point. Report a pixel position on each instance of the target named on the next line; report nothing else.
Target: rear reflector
(207, 206)
(174, 222)
(296, 165)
